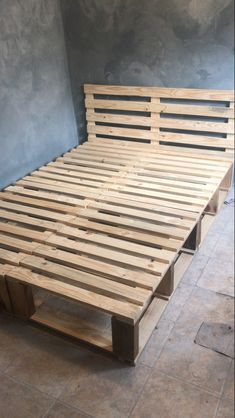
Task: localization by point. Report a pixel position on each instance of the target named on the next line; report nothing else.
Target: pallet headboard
(195, 118)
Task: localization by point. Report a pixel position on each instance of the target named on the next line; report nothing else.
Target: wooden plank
(125, 338)
(166, 287)
(120, 132)
(21, 297)
(119, 257)
(128, 312)
(178, 109)
(87, 281)
(164, 92)
(130, 277)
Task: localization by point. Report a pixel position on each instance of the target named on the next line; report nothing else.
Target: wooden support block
(166, 287)
(125, 340)
(227, 182)
(213, 206)
(21, 297)
(194, 239)
(5, 300)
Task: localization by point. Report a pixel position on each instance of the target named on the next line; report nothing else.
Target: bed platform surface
(112, 225)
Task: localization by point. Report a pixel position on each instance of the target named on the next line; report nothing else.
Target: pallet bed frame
(112, 225)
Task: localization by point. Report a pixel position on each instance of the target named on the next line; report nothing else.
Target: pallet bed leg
(213, 205)
(22, 300)
(166, 287)
(125, 340)
(227, 182)
(5, 301)
(194, 239)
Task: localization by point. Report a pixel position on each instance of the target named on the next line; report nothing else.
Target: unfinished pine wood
(104, 225)
(189, 117)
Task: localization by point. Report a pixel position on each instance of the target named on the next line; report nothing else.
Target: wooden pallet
(112, 225)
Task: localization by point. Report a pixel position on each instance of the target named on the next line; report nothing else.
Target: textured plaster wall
(182, 43)
(37, 120)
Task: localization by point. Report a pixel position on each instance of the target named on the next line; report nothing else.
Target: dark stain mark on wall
(182, 43)
(36, 111)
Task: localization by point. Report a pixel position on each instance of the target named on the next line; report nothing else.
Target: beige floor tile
(19, 401)
(60, 410)
(166, 397)
(218, 276)
(229, 385)
(13, 340)
(47, 364)
(156, 343)
(226, 409)
(195, 269)
(105, 388)
(184, 359)
(177, 302)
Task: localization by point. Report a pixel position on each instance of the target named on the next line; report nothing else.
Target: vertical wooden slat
(90, 124)
(194, 239)
(166, 287)
(155, 116)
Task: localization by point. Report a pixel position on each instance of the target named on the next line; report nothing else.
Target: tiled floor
(44, 376)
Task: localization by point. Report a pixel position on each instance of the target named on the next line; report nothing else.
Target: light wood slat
(30, 201)
(116, 273)
(122, 147)
(196, 140)
(87, 153)
(24, 232)
(178, 109)
(170, 123)
(75, 175)
(115, 243)
(128, 312)
(87, 281)
(82, 169)
(145, 162)
(206, 154)
(69, 158)
(121, 119)
(44, 214)
(140, 214)
(130, 234)
(81, 191)
(161, 195)
(119, 257)
(29, 220)
(121, 132)
(205, 126)
(139, 199)
(158, 206)
(90, 155)
(173, 232)
(164, 92)
(10, 257)
(64, 179)
(17, 244)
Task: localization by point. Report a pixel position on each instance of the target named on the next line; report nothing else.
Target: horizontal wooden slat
(127, 311)
(177, 109)
(174, 93)
(121, 132)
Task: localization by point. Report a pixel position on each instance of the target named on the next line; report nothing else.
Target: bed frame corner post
(166, 287)
(194, 239)
(125, 338)
(22, 300)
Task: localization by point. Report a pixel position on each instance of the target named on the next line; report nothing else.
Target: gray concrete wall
(182, 43)
(36, 112)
